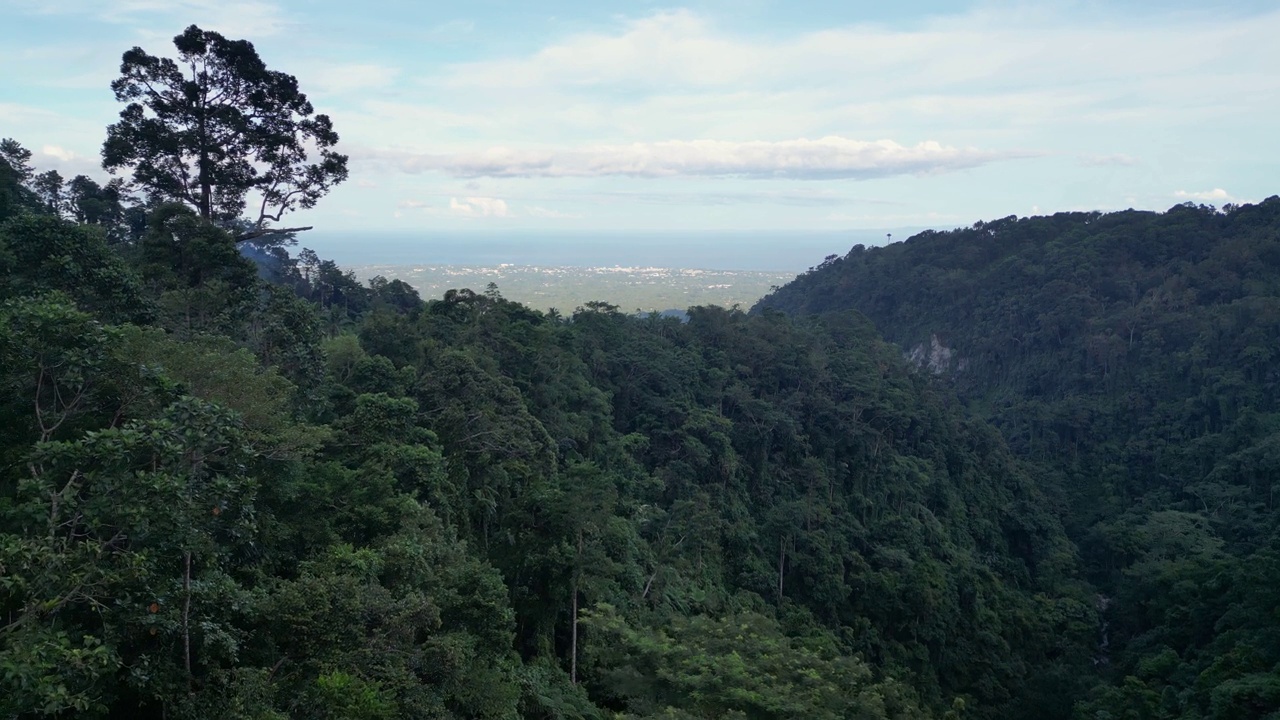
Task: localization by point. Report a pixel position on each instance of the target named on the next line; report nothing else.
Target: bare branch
(262, 232)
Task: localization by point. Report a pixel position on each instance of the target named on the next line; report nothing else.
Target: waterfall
(1104, 638)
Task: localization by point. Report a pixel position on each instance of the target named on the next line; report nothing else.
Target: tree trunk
(573, 641)
(186, 617)
(202, 172)
(782, 561)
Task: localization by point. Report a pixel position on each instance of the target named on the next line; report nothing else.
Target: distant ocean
(708, 250)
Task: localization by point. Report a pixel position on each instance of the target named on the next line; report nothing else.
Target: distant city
(645, 272)
(632, 289)
(742, 250)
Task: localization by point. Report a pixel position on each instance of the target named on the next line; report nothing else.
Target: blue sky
(717, 115)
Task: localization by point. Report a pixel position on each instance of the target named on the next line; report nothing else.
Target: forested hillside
(232, 491)
(236, 482)
(1132, 357)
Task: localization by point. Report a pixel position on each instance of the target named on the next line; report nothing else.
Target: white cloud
(1034, 76)
(671, 50)
(471, 207)
(693, 97)
(12, 114)
(66, 162)
(677, 94)
(541, 212)
(451, 29)
(478, 207)
(339, 79)
(929, 218)
(58, 153)
(830, 157)
(671, 47)
(810, 196)
(1119, 159)
(1214, 195)
(233, 18)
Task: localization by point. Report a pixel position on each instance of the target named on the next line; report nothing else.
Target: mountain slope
(1131, 356)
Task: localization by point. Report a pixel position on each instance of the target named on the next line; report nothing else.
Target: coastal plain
(564, 288)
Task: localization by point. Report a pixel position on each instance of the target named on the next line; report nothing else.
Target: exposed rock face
(936, 358)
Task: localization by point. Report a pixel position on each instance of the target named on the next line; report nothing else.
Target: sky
(719, 115)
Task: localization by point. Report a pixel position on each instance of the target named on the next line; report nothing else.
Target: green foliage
(15, 173)
(204, 284)
(741, 665)
(213, 368)
(216, 124)
(1130, 356)
(40, 253)
(429, 543)
(56, 370)
(137, 557)
(347, 697)
(271, 492)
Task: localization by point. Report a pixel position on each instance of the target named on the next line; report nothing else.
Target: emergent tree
(214, 126)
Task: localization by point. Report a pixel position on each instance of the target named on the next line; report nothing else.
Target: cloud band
(831, 157)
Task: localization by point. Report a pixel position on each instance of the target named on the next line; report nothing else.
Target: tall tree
(48, 188)
(15, 173)
(214, 126)
(17, 158)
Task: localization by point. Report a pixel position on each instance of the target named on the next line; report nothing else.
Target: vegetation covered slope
(228, 497)
(1133, 357)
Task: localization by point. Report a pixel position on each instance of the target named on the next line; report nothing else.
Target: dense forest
(235, 482)
(228, 495)
(1131, 359)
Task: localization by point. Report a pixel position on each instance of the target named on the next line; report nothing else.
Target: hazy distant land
(724, 250)
(635, 271)
(565, 288)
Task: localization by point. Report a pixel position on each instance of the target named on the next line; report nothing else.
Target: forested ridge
(1131, 358)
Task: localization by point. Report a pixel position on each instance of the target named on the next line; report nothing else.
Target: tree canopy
(1130, 358)
(229, 496)
(216, 130)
